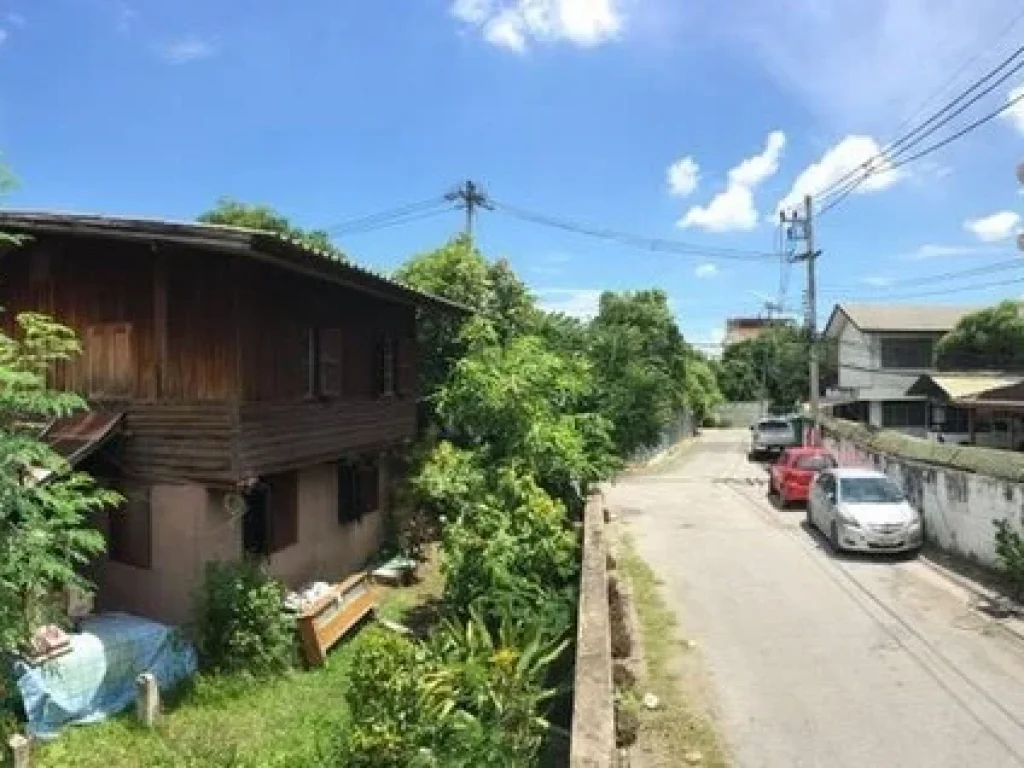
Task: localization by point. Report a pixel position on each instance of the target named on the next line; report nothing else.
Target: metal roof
(958, 385)
(910, 318)
(257, 244)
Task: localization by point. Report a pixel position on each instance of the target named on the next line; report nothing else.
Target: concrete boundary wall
(959, 506)
(593, 715)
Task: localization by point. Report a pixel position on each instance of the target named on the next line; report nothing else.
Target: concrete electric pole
(469, 197)
(801, 228)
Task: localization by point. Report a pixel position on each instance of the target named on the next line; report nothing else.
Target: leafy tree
(233, 213)
(991, 339)
(639, 359)
(521, 403)
(458, 271)
(778, 359)
(45, 532)
(702, 392)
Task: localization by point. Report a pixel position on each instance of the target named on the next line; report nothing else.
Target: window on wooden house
(325, 371)
(110, 361)
(271, 521)
(387, 366)
(904, 413)
(130, 530)
(358, 490)
(908, 353)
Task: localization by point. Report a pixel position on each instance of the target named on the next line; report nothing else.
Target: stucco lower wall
(959, 507)
(189, 526)
(327, 550)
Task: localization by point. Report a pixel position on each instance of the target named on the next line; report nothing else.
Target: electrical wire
(902, 145)
(941, 90)
(1001, 266)
(398, 221)
(926, 151)
(382, 216)
(632, 240)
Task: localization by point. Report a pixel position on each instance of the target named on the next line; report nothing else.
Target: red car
(793, 473)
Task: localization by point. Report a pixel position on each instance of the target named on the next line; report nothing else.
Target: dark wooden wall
(219, 354)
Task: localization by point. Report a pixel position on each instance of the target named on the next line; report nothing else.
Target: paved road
(817, 660)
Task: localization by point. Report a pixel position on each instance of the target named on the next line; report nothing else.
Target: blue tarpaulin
(96, 679)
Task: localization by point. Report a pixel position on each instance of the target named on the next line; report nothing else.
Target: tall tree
(640, 362)
(458, 271)
(991, 339)
(777, 360)
(234, 213)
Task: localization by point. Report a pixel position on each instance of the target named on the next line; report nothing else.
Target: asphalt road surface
(814, 659)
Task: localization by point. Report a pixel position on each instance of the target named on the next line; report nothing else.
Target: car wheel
(783, 500)
(834, 538)
(808, 517)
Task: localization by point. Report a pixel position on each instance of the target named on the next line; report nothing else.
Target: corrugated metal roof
(266, 246)
(75, 437)
(931, 318)
(958, 385)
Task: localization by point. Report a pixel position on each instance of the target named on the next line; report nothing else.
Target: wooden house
(248, 394)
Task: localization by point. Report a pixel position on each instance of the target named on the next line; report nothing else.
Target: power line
(920, 108)
(949, 291)
(397, 221)
(937, 120)
(1001, 266)
(376, 218)
(927, 151)
(632, 240)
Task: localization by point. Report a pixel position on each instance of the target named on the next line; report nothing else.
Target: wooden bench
(332, 615)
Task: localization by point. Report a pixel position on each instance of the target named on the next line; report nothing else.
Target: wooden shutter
(405, 365)
(283, 510)
(110, 361)
(130, 530)
(330, 361)
(369, 481)
(348, 493)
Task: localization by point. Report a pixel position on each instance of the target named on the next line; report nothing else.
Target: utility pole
(801, 228)
(769, 308)
(469, 197)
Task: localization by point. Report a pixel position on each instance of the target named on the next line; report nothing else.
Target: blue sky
(671, 119)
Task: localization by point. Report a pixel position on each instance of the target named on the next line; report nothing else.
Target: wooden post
(147, 702)
(160, 322)
(21, 751)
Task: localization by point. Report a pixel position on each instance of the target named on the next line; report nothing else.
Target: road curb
(1013, 626)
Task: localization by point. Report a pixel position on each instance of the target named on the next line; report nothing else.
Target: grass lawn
(236, 722)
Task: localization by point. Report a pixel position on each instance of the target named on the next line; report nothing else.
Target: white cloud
(756, 169)
(877, 281)
(853, 153)
(506, 31)
(3, 35)
(1016, 112)
(936, 251)
(992, 229)
(575, 302)
(187, 49)
(729, 211)
(706, 270)
(683, 177)
(512, 24)
(733, 209)
(125, 17)
(15, 19)
(862, 64)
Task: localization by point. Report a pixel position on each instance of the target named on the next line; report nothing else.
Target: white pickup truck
(771, 436)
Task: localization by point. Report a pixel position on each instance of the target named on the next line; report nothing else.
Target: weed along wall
(961, 491)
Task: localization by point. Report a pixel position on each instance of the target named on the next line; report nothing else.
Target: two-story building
(880, 352)
(249, 395)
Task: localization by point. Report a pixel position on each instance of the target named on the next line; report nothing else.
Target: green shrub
(1010, 552)
(240, 625)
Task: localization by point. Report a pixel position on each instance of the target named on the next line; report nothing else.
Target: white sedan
(862, 510)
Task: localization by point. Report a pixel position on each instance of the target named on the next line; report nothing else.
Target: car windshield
(774, 426)
(869, 490)
(815, 462)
